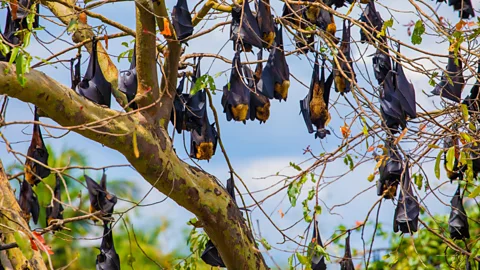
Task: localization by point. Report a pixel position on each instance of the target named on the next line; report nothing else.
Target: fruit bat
(314, 107)
(371, 17)
(55, 210)
(451, 90)
(236, 94)
(464, 7)
(100, 198)
(182, 20)
(128, 82)
(210, 255)
(408, 208)
(37, 152)
(325, 21)
(75, 71)
(244, 30)
(472, 101)
(304, 42)
(343, 84)
(337, 3)
(382, 65)
(458, 221)
(457, 172)
(390, 171)
(406, 91)
(94, 86)
(178, 111)
(346, 263)
(196, 107)
(28, 202)
(293, 13)
(204, 143)
(318, 260)
(275, 79)
(265, 22)
(108, 258)
(259, 104)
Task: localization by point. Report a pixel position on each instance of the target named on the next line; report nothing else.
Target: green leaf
(418, 179)
(349, 161)
(295, 166)
(464, 109)
(302, 259)
(13, 56)
(432, 81)
(317, 209)
(386, 24)
(418, 31)
(265, 244)
(437, 165)
(205, 81)
(20, 63)
(72, 26)
(475, 192)
(433, 146)
(290, 262)
(23, 242)
(450, 158)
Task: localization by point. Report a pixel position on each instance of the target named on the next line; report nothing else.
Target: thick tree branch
(211, 4)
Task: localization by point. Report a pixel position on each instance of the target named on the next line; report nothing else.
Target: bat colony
(247, 96)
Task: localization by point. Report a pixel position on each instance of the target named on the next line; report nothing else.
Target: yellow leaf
(135, 145)
(400, 137)
(166, 28)
(350, 9)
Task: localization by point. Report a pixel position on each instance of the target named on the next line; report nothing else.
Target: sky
(257, 151)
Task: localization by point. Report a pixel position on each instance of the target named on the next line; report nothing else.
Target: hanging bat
(236, 94)
(464, 7)
(325, 21)
(203, 144)
(382, 65)
(28, 202)
(108, 258)
(259, 104)
(196, 104)
(390, 171)
(55, 210)
(24, 8)
(244, 30)
(100, 198)
(373, 21)
(318, 260)
(472, 101)
(266, 22)
(36, 153)
(293, 13)
(182, 20)
(457, 172)
(337, 3)
(128, 82)
(304, 43)
(408, 208)
(346, 263)
(75, 71)
(345, 64)
(210, 255)
(405, 89)
(276, 75)
(458, 221)
(314, 107)
(451, 90)
(94, 86)
(178, 111)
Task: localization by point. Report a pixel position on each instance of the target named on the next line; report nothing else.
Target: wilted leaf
(345, 131)
(105, 38)
(281, 213)
(40, 244)
(135, 145)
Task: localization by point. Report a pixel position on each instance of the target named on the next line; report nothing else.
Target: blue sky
(255, 150)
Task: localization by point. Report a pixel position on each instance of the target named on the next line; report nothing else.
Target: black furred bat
(259, 104)
(314, 107)
(94, 86)
(276, 74)
(337, 3)
(244, 29)
(236, 94)
(128, 82)
(458, 221)
(382, 65)
(390, 170)
(473, 100)
(196, 107)
(456, 173)
(346, 263)
(28, 202)
(55, 210)
(182, 20)
(464, 7)
(75, 71)
(445, 88)
(342, 84)
(204, 143)
(372, 19)
(408, 208)
(210, 255)
(304, 42)
(37, 152)
(406, 90)
(108, 258)
(318, 260)
(178, 111)
(100, 198)
(265, 23)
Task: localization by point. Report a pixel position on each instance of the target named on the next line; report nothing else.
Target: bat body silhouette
(314, 107)
(196, 107)
(28, 202)
(318, 260)
(325, 21)
(178, 111)
(408, 208)
(374, 22)
(259, 104)
(266, 23)
(342, 83)
(203, 144)
(100, 198)
(108, 258)
(458, 221)
(464, 7)
(128, 83)
(405, 89)
(75, 71)
(275, 79)
(236, 94)
(338, 3)
(55, 210)
(182, 20)
(210, 255)
(390, 171)
(472, 101)
(451, 90)
(346, 263)
(94, 86)
(37, 152)
(244, 29)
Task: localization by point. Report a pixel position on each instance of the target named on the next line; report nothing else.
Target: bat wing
(231, 188)
(458, 221)
(236, 100)
(318, 260)
(203, 144)
(406, 91)
(108, 258)
(28, 202)
(305, 110)
(451, 89)
(372, 18)
(34, 172)
(128, 83)
(408, 208)
(210, 255)
(281, 72)
(103, 86)
(177, 116)
(95, 193)
(244, 28)
(266, 83)
(327, 87)
(182, 20)
(265, 22)
(346, 263)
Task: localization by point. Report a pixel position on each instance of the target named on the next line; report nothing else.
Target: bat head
(100, 199)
